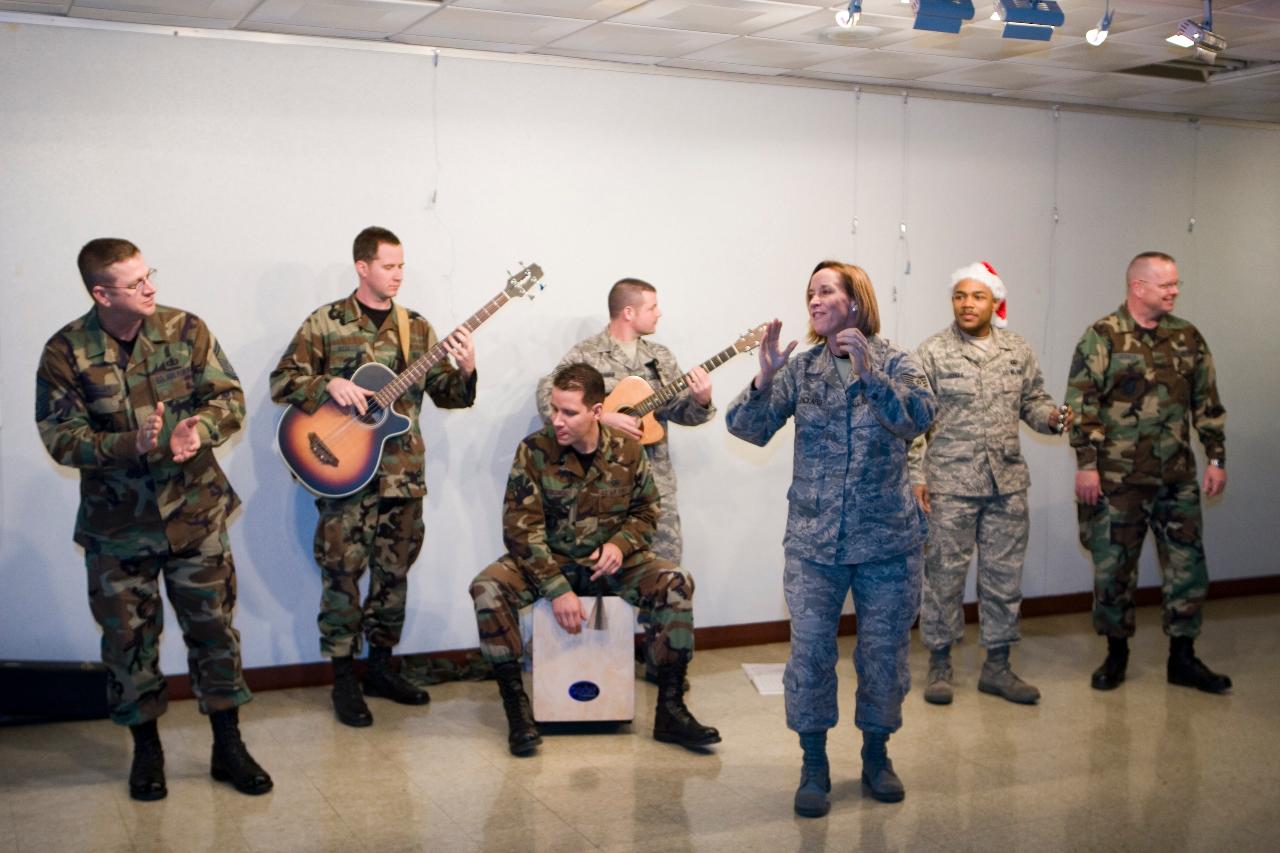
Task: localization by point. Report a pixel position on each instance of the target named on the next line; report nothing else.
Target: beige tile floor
(1146, 767)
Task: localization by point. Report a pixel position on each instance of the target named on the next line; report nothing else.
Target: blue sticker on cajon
(584, 691)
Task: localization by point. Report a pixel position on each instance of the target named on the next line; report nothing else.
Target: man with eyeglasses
(1137, 375)
(136, 396)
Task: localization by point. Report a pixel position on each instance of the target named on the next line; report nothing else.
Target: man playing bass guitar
(379, 527)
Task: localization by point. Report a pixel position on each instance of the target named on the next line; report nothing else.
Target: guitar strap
(402, 326)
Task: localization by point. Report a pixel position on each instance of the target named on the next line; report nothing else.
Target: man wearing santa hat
(969, 475)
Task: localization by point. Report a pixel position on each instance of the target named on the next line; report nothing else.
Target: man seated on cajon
(581, 507)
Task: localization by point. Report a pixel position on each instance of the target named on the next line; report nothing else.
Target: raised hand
(771, 357)
(853, 342)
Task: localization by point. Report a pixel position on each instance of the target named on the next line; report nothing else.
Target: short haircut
(367, 241)
(626, 292)
(1145, 256)
(857, 286)
(580, 377)
(97, 255)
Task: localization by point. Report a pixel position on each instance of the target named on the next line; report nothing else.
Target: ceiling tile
(872, 31)
(494, 27)
(181, 13)
(611, 38)
(1110, 87)
(892, 66)
(1108, 57)
(594, 10)
(601, 55)
(738, 17)
(371, 19)
(38, 7)
(968, 44)
(771, 52)
(727, 67)
(1007, 76)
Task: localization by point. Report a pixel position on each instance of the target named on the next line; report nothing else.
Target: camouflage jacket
(657, 366)
(554, 513)
(335, 340)
(973, 449)
(1132, 393)
(850, 498)
(88, 410)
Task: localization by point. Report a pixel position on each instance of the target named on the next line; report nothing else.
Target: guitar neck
(671, 390)
(413, 374)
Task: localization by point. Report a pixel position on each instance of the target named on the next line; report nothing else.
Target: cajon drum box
(589, 676)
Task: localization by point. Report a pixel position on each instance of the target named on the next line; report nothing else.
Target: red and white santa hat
(983, 273)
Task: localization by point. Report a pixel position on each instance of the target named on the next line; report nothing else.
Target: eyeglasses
(1166, 286)
(149, 277)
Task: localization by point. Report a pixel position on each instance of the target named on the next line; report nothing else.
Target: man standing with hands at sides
(622, 350)
(858, 402)
(968, 473)
(1136, 376)
(380, 527)
(578, 518)
(136, 396)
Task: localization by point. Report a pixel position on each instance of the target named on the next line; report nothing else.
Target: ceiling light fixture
(1201, 36)
(1029, 19)
(941, 16)
(848, 18)
(1098, 34)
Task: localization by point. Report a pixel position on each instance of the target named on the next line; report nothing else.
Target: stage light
(1098, 34)
(1029, 19)
(941, 16)
(848, 18)
(1201, 36)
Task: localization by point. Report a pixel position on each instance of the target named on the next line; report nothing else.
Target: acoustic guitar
(634, 396)
(335, 451)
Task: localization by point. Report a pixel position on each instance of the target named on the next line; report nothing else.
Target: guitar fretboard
(670, 391)
(413, 374)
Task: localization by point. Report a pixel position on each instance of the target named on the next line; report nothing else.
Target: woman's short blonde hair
(857, 286)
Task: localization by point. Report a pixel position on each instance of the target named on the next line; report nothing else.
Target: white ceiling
(792, 38)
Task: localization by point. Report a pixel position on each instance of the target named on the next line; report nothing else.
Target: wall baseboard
(749, 634)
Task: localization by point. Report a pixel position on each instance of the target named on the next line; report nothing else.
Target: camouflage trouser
(998, 526)
(363, 531)
(886, 598)
(667, 540)
(655, 585)
(124, 595)
(1113, 531)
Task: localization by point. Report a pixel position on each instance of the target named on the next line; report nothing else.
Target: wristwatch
(1217, 463)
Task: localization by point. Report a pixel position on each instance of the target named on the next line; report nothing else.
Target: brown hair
(580, 377)
(626, 292)
(367, 241)
(857, 286)
(97, 255)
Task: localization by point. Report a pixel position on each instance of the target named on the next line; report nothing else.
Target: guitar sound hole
(373, 416)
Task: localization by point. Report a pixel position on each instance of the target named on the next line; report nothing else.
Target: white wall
(244, 170)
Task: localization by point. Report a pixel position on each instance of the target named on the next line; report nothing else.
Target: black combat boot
(381, 680)
(348, 701)
(877, 769)
(231, 761)
(812, 798)
(146, 776)
(1111, 673)
(1186, 670)
(522, 736)
(673, 723)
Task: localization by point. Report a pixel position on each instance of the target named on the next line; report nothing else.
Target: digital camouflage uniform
(1132, 391)
(977, 480)
(380, 527)
(852, 522)
(143, 517)
(554, 516)
(656, 365)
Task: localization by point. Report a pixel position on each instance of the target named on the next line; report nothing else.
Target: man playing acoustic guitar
(620, 351)
(379, 527)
